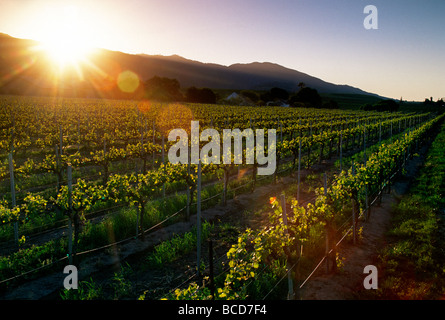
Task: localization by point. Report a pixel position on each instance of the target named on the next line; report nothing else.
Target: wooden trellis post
(198, 220)
(290, 295)
(299, 160)
(341, 150)
(354, 218)
(70, 210)
(13, 201)
(325, 186)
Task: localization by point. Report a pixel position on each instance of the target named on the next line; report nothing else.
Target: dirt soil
(348, 283)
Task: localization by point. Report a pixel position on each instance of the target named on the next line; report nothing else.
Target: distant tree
(163, 89)
(331, 104)
(192, 94)
(301, 85)
(279, 94)
(389, 105)
(382, 105)
(266, 96)
(208, 96)
(366, 107)
(431, 103)
(251, 95)
(308, 96)
(204, 95)
(275, 96)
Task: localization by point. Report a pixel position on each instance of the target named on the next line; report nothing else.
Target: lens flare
(128, 81)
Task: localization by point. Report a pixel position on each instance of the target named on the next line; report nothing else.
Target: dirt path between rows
(348, 283)
(344, 284)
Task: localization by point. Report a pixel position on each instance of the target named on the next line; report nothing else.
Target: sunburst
(64, 37)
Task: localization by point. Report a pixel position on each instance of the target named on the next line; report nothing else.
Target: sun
(66, 50)
(64, 37)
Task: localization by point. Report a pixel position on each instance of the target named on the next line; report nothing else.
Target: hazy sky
(404, 57)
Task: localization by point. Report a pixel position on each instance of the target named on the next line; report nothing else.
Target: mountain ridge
(19, 64)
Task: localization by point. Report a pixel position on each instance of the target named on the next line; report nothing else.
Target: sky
(404, 57)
